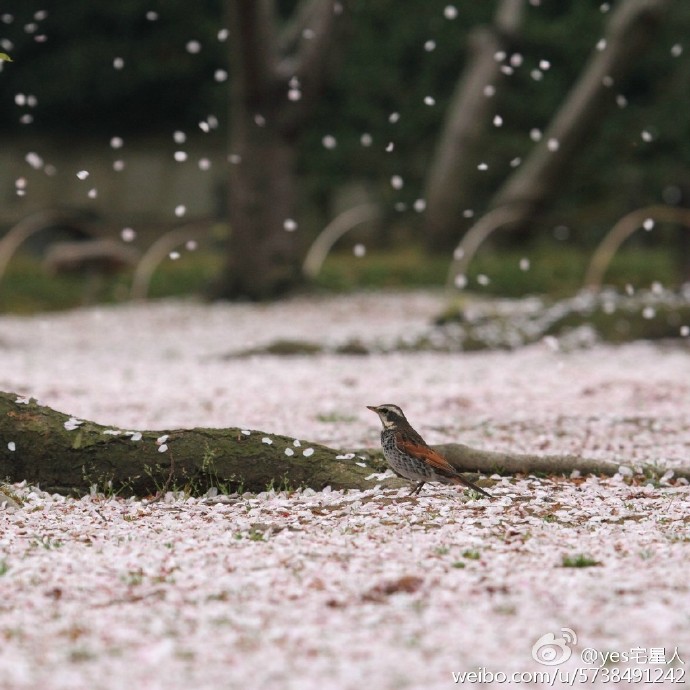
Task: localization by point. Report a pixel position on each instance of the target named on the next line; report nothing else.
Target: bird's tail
(457, 479)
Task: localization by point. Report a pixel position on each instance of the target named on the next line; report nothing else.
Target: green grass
(190, 274)
(48, 543)
(578, 561)
(555, 268)
(407, 267)
(26, 288)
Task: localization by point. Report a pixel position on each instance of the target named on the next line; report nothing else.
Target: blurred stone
(104, 256)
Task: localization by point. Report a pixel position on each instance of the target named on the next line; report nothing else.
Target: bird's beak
(372, 408)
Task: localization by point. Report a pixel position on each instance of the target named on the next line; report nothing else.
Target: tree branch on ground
(71, 456)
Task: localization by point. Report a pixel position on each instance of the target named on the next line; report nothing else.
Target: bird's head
(390, 415)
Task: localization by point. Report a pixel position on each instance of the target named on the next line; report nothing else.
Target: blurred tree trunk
(536, 183)
(276, 77)
(538, 180)
(453, 170)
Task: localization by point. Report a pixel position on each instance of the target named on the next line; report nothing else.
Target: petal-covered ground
(348, 590)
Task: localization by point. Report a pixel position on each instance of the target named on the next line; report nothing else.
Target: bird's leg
(417, 489)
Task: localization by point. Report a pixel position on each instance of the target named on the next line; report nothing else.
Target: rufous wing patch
(436, 461)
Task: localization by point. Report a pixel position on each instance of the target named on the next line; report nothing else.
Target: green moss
(289, 347)
(609, 316)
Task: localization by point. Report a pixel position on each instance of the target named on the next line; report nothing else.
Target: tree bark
(60, 454)
(264, 258)
(453, 171)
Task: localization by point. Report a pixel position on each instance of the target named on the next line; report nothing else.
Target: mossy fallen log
(582, 319)
(66, 455)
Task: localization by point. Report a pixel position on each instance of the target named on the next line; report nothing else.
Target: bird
(409, 456)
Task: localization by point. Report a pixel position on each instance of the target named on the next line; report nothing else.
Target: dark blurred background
(139, 94)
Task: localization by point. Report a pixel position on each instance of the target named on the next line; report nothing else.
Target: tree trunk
(276, 79)
(453, 171)
(540, 178)
(538, 181)
(264, 258)
(69, 456)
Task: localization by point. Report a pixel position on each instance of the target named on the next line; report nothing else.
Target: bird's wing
(420, 450)
(435, 460)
